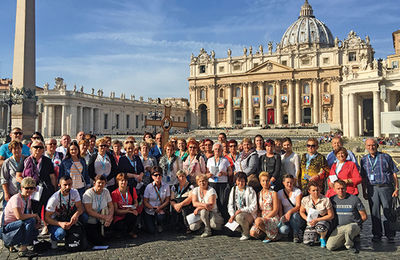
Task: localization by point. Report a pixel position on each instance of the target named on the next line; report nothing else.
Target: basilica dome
(307, 30)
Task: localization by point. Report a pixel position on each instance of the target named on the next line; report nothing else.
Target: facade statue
(92, 91)
(260, 48)
(250, 50)
(244, 51)
(229, 53)
(270, 46)
(46, 86)
(213, 54)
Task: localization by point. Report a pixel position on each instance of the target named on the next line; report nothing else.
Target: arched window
(221, 93)
(237, 92)
(270, 90)
(326, 87)
(202, 94)
(255, 91)
(306, 88)
(284, 89)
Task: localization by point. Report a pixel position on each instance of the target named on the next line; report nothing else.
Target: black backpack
(75, 239)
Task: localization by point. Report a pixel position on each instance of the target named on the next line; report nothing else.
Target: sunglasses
(30, 188)
(311, 145)
(17, 133)
(192, 147)
(38, 147)
(103, 145)
(35, 137)
(129, 142)
(156, 175)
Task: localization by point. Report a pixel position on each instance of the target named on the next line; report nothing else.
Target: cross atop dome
(306, 10)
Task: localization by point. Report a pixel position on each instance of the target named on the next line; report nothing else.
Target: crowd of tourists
(100, 189)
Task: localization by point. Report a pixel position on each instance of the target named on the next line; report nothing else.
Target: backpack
(75, 239)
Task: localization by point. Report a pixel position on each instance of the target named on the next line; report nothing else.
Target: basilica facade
(293, 84)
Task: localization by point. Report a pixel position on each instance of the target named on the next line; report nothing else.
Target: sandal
(12, 249)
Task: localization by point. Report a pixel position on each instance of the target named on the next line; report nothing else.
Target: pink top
(349, 171)
(15, 201)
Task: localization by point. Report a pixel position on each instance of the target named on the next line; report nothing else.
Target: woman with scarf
(194, 164)
(170, 165)
(182, 149)
(148, 162)
(132, 166)
(248, 163)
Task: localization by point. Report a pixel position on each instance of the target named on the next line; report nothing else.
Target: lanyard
(215, 161)
(169, 165)
(125, 201)
(98, 202)
(159, 150)
(234, 159)
(375, 161)
(240, 197)
(157, 192)
(133, 163)
(309, 160)
(180, 191)
(103, 162)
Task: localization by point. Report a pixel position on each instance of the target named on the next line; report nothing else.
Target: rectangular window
(326, 60)
(284, 62)
(202, 68)
(305, 61)
(137, 121)
(395, 64)
(117, 121)
(352, 56)
(127, 121)
(221, 69)
(236, 67)
(105, 121)
(255, 65)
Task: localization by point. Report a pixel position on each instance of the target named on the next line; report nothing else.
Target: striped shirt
(378, 170)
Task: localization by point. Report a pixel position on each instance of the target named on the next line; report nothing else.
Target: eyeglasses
(192, 147)
(30, 188)
(311, 145)
(17, 133)
(129, 142)
(156, 175)
(35, 137)
(38, 147)
(232, 145)
(103, 145)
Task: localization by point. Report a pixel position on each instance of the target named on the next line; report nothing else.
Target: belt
(383, 185)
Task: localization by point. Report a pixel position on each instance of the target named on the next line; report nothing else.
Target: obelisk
(24, 67)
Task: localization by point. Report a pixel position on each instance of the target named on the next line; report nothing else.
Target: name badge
(372, 177)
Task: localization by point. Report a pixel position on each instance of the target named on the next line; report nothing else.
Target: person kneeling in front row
(350, 214)
(242, 205)
(63, 210)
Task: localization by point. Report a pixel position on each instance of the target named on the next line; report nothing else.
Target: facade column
(360, 116)
(91, 120)
(51, 121)
(45, 121)
(63, 119)
(278, 120)
(245, 105)
(377, 113)
(345, 110)
(387, 103)
(74, 121)
(262, 103)
(80, 116)
(213, 105)
(229, 109)
(297, 102)
(353, 121)
(315, 100)
(250, 103)
(291, 115)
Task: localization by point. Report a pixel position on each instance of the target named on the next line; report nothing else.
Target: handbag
(395, 214)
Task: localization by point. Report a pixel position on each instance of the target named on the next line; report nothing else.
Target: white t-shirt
(53, 204)
(206, 197)
(285, 203)
(217, 167)
(98, 201)
(290, 164)
(151, 194)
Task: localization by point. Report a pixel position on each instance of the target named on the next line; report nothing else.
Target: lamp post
(155, 115)
(13, 97)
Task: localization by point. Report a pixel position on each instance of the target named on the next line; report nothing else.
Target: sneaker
(54, 244)
(391, 240)
(206, 234)
(45, 231)
(296, 238)
(323, 242)
(266, 241)
(244, 237)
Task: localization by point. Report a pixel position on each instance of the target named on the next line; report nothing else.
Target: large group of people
(258, 188)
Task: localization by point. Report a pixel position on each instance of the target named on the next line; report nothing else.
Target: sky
(143, 47)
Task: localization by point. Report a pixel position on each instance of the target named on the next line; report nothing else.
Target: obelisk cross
(166, 123)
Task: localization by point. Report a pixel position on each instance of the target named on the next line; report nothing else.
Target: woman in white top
(218, 170)
(290, 161)
(204, 200)
(242, 206)
(290, 198)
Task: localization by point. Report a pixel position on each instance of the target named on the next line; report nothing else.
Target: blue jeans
(150, 221)
(295, 223)
(28, 235)
(57, 233)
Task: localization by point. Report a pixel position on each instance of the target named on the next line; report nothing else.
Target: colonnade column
(291, 116)
(250, 103)
(345, 109)
(213, 105)
(51, 117)
(297, 102)
(245, 105)
(278, 120)
(45, 121)
(74, 121)
(377, 113)
(315, 100)
(360, 116)
(262, 103)
(80, 125)
(91, 118)
(229, 110)
(353, 121)
(64, 119)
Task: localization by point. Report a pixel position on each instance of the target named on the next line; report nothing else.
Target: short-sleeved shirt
(285, 203)
(290, 164)
(15, 201)
(217, 167)
(98, 201)
(347, 209)
(6, 153)
(322, 205)
(8, 174)
(123, 199)
(205, 197)
(76, 174)
(54, 204)
(153, 199)
(378, 170)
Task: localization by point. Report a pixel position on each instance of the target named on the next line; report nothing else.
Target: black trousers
(222, 190)
(126, 225)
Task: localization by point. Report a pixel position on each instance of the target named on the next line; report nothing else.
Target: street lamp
(13, 97)
(155, 115)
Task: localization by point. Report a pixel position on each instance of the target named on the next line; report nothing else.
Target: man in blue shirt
(380, 185)
(17, 135)
(337, 143)
(156, 151)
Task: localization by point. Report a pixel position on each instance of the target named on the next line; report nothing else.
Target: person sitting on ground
(125, 207)
(98, 205)
(317, 210)
(349, 216)
(242, 205)
(156, 199)
(181, 202)
(63, 210)
(266, 224)
(17, 215)
(204, 200)
(290, 198)
(343, 170)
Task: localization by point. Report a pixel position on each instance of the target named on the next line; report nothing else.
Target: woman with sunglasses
(156, 200)
(36, 136)
(55, 157)
(313, 167)
(17, 215)
(103, 163)
(75, 166)
(271, 162)
(194, 164)
(41, 169)
(170, 164)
